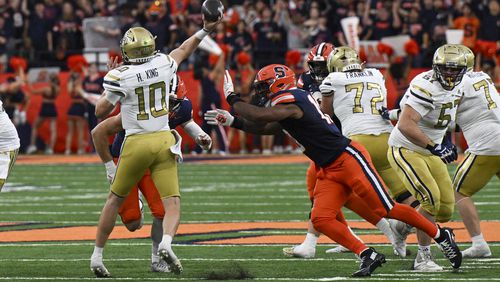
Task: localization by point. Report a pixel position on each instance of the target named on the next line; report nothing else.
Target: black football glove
(446, 151)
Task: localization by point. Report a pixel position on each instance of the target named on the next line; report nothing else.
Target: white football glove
(228, 84)
(110, 170)
(219, 117)
(204, 141)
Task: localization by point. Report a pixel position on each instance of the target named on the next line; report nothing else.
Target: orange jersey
(470, 27)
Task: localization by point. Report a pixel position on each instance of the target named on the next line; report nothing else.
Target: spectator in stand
(68, 32)
(268, 42)
(489, 32)
(384, 24)
(47, 112)
(4, 39)
(159, 23)
(76, 114)
(320, 33)
(39, 32)
(469, 23)
(240, 40)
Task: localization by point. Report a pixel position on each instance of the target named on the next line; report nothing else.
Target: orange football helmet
(274, 78)
(177, 93)
(316, 60)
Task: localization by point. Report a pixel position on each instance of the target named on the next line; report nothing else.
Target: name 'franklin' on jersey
(357, 97)
(143, 90)
(314, 131)
(436, 105)
(479, 114)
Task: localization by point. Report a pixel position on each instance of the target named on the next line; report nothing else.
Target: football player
(141, 88)
(344, 167)
(9, 145)
(478, 116)
(311, 81)
(131, 213)
(355, 95)
(417, 151)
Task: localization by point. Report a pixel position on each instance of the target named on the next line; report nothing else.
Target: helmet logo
(280, 72)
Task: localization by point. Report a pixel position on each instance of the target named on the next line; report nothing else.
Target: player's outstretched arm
(197, 134)
(101, 133)
(187, 47)
(224, 118)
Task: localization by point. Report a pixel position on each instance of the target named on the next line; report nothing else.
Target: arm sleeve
(113, 97)
(112, 83)
(419, 100)
(327, 88)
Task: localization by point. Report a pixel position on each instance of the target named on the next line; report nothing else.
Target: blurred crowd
(255, 33)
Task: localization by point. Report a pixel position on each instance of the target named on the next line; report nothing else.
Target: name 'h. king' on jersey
(437, 106)
(357, 97)
(314, 131)
(479, 114)
(143, 90)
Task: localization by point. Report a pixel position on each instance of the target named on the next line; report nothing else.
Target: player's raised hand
(113, 63)
(210, 26)
(204, 141)
(219, 117)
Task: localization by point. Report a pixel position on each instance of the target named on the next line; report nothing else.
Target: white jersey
(143, 91)
(9, 140)
(436, 105)
(357, 97)
(479, 114)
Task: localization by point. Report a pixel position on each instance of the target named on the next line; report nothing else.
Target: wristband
(200, 34)
(233, 98)
(238, 123)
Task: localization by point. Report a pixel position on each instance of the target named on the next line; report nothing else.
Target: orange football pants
(352, 173)
(130, 210)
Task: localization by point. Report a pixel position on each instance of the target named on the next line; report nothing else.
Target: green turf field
(72, 195)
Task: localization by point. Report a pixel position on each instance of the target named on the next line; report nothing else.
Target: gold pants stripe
(462, 171)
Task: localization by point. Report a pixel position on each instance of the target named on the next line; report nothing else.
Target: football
(212, 10)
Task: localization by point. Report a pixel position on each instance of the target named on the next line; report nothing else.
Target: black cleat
(370, 260)
(446, 243)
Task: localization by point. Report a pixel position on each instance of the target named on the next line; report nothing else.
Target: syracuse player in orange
(180, 114)
(344, 167)
(310, 81)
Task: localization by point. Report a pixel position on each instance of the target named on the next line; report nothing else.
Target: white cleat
(171, 259)
(337, 250)
(299, 252)
(31, 149)
(425, 263)
(160, 266)
(98, 268)
(400, 231)
(477, 251)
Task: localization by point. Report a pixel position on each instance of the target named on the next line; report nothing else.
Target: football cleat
(299, 252)
(160, 266)
(370, 260)
(424, 262)
(171, 259)
(337, 250)
(477, 251)
(99, 270)
(446, 242)
(400, 231)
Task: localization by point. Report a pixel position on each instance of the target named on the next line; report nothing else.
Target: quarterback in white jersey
(478, 116)
(417, 150)
(9, 145)
(141, 88)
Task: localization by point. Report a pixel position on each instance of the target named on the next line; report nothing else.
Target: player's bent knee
(445, 213)
(2, 182)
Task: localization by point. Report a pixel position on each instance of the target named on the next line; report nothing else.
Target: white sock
(166, 241)
(437, 234)
(424, 249)
(311, 240)
(97, 252)
(383, 225)
(478, 240)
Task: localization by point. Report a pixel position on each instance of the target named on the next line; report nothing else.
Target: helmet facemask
(449, 76)
(261, 93)
(319, 70)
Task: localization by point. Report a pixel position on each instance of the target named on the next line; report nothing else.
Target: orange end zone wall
(63, 103)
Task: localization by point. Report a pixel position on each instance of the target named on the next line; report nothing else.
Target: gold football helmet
(137, 45)
(343, 59)
(469, 56)
(449, 65)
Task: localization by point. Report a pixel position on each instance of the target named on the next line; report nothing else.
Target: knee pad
(445, 212)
